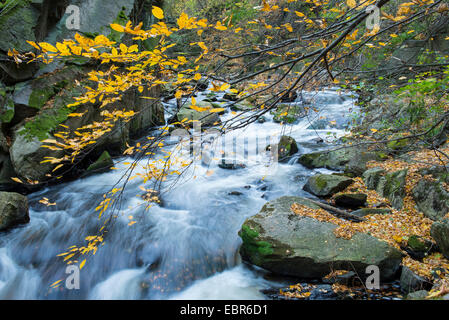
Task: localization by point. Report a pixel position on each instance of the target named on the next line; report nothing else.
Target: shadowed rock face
(285, 243)
(440, 232)
(13, 210)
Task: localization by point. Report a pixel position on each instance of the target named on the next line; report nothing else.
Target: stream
(184, 248)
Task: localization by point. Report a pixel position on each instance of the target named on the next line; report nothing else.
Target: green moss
(39, 97)
(250, 244)
(50, 118)
(104, 162)
(417, 244)
(7, 112)
(121, 19)
(320, 182)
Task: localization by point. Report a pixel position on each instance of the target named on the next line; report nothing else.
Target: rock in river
(13, 210)
(285, 243)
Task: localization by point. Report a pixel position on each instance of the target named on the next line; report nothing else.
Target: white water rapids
(187, 248)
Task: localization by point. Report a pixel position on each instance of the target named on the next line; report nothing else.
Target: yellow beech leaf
(158, 12)
(117, 27)
(17, 180)
(217, 110)
(82, 264)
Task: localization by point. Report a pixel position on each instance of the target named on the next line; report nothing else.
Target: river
(185, 248)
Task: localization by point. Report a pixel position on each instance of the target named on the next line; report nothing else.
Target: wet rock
(230, 165)
(262, 119)
(231, 96)
(289, 244)
(285, 148)
(322, 292)
(411, 282)
(351, 200)
(287, 113)
(440, 233)
(13, 210)
(235, 193)
(368, 211)
(325, 185)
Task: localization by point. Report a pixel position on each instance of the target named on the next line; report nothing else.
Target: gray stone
(388, 185)
(285, 243)
(411, 282)
(431, 198)
(348, 159)
(440, 233)
(13, 210)
(325, 185)
(372, 177)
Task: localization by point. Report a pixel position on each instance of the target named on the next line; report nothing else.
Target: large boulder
(325, 185)
(285, 243)
(440, 233)
(13, 210)
(431, 198)
(349, 159)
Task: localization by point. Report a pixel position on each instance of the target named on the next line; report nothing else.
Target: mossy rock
(206, 118)
(285, 243)
(102, 164)
(286, 147)
(287, 113)
(326, 185)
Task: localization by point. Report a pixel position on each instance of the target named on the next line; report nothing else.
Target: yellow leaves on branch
(158, 12)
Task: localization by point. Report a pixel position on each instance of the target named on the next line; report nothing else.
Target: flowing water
(185, 248)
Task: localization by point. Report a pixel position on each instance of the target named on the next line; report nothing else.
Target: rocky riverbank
(401, 198)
